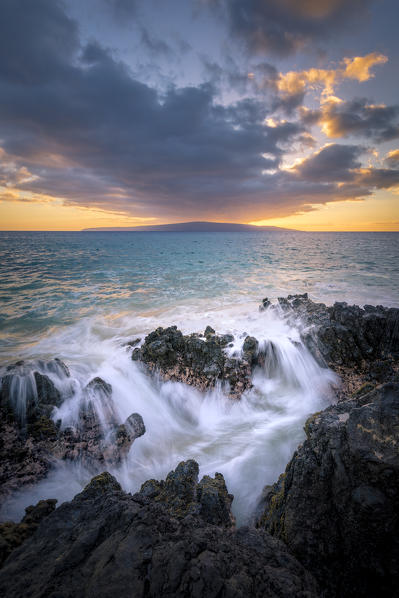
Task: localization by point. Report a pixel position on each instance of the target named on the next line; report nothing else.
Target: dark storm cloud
(333, 163)
(37, 41)
(172, 148)
(284, 26)
(85, 130)
(361, 117)
(341, 165)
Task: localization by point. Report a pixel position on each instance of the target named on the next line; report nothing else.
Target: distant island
(191, 227)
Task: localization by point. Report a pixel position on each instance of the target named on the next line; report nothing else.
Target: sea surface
(81, 296)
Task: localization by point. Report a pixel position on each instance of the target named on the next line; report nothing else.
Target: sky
(137, 112)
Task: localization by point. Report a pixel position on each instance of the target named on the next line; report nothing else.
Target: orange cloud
(393, 155)
(357, 68)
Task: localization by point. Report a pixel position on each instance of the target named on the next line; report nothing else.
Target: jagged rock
(265, 304)
(13, 535)
(133, 343)
(98, 385)
(106, 543)
(24, 458)
(250, 349)
(28, 436)
(209, 331)
(29, 448)
(183, 495)
(117, 443)
(337, 504)
(345, 334)
(193, 360)
(27, 394)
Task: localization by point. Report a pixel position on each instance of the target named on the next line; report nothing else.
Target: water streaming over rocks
(97, 412)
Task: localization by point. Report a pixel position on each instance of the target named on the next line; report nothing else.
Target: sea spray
(249, 440)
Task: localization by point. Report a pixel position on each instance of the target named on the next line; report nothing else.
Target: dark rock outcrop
(28, 435)
(13, 535)
(345, 334)
(337, 504)
(25, 458)
(31, 442)
(183, 495)
(107, 543)
(98, 438)
(198, 361)
(28, 394)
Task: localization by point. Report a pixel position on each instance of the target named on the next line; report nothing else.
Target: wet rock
(105, 541)
(209, 331)
(25, 455)
(31, 445)
(194, 360)
(265, 304)
(28, 394)
(118, 441)
(250, 349)
(345, 334)
(337, 504)
(99, 439)
(134, 342)
(13, 534)
(98, 385)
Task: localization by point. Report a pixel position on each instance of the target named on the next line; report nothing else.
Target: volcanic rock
(105, 543)
(337, 504)
(196, 361)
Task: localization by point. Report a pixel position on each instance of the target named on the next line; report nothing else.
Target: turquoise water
(54, 279)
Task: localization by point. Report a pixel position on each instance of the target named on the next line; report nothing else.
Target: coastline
(360, 345)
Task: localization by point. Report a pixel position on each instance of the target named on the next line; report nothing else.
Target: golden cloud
(393, 155)
(357, 68)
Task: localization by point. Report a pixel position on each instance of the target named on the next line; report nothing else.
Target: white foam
(248, 441)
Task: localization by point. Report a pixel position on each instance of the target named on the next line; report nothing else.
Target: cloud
(392, 159)
(292, 86)
(11, 174)
(121, 9)
(76, 124)
(340, 166)
(359, 67)
(285, 26)
(154, 45)
(359, 117)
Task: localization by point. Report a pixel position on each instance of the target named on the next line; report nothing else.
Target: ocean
(81, 296)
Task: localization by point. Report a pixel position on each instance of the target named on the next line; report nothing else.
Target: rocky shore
(328, 527)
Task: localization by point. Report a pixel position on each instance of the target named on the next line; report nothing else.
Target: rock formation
(198, 360)
(337, 504)
(171, 539)
(329, 527)
(31, 442)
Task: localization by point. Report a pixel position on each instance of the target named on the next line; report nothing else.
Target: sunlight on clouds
(393, 155)
(13, 174)
(357, 68)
